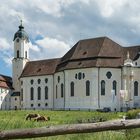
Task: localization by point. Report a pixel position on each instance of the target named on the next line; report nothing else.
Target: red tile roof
(96, 52)
(41, 67)
(5, 82)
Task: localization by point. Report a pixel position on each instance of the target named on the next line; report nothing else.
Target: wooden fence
(69, 129)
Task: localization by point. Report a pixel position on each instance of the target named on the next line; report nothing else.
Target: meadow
(16, 120)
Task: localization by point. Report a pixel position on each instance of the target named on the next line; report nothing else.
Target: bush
(132, 114)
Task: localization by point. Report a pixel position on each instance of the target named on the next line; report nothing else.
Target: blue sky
(54, 26)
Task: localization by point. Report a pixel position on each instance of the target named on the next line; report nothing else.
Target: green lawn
(16, 119)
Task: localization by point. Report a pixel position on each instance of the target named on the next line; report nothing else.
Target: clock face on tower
(17, 40)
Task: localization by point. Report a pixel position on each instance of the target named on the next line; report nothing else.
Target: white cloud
(67, 20)
(8, 61)
(109, 7)
(5, 51)
(4, 45)
(50, 48)
(34, 47)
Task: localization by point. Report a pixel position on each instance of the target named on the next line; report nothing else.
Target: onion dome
(21, 33)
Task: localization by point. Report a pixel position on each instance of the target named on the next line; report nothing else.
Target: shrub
(132, 114)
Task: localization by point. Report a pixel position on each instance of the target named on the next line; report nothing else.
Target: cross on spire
(21, 22)
(21, 26)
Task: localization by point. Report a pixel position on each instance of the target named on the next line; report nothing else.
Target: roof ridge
(100, 49)
(44, 60)
(101, 46)
(93, 38)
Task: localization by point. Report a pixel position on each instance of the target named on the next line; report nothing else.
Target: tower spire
(21, 25)
(21, 22)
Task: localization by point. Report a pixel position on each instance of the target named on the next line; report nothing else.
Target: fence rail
(69, 129)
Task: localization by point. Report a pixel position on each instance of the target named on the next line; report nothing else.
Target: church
(94, 74)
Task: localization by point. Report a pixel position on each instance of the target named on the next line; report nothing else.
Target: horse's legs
(27, 117)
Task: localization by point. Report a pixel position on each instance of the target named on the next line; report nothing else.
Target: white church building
(94, 74)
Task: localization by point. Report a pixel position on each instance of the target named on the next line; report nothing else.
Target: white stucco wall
(136, 99)
(109, 100)
(5, 98)
(26, 86)
(80, 100)
(15, 102)
(58, 100)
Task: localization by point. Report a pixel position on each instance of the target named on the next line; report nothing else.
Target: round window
(108, 74)
(39, 81)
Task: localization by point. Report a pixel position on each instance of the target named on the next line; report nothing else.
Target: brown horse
(42, 118)
(30, 116)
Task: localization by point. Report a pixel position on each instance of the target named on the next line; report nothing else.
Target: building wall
(5, 100)
(80, 100)
(110, 99)
(136, 77)
(58, 91)
(15, 102)
(43, 103)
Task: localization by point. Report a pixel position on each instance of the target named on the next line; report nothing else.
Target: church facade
(94, 74)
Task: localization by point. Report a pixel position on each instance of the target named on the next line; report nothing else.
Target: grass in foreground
(16, 120)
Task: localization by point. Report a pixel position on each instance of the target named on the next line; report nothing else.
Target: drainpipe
(121, 87)
(53, 91)
(98, 87)
(64, 90)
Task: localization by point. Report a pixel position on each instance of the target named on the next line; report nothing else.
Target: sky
(54, 26)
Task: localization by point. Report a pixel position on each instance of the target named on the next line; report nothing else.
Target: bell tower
(21, 55)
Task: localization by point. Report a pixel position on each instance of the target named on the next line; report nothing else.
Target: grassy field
(16, 119)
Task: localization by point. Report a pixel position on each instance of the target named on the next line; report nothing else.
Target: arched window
(88, 88)
(62, 90)
(102, 87)
(46, 92)
(39, 93)
(32, 81)
(25, 54)
(32, 93)
(115, 87)
(17, 53)
(72, 88)
(56, 91)
(58, 79)
(79, 75)
(135, 88)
